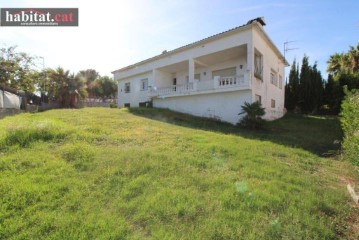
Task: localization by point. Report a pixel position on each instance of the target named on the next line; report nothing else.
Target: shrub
(113, 105)
(254, 113)
(350, 124)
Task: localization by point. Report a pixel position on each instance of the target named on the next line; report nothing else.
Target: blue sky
(114, 34)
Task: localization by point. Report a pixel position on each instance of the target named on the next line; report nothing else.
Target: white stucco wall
(135, 96)
(265, 88)
(224, 106)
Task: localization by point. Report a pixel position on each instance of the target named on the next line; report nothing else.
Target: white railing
(241, 81)
(174, 89)
(232, 81)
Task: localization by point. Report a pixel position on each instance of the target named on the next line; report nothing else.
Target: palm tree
(353, 57)
(336, 63)
(254, 113)
(64, 86)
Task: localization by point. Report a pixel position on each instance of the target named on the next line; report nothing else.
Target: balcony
(217, 84)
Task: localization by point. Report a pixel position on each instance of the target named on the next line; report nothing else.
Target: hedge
(350, 124)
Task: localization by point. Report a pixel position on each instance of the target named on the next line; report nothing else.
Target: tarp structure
(1, 99)
(10, 100)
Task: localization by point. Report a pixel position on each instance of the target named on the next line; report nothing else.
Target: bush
(253, 118)
(350, 124)
(113, 105)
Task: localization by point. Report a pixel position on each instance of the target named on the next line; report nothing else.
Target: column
(190, 70)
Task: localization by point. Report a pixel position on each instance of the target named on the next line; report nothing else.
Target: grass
(155, 174)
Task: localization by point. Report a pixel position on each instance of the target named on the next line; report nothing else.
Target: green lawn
(99, 173)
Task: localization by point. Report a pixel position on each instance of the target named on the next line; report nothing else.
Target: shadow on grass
(319, 135)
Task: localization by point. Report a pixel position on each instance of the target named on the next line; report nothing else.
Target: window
(127, 87)
(127, 105)
(273, 78)
(258, 65)
(258, 98)
(144, 84)
(280, 82)
(228, 72)
(197, 76)
(272, 103)
(143, 104)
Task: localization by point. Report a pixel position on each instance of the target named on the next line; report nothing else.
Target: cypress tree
(292, 88)
(305, 84)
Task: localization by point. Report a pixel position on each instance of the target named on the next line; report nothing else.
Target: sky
(114, 34)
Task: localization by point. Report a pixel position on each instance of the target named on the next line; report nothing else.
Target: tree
(103, 87)
(344, 68)
(305, 86)
(305, 89)
(254, 113)
(292, 88)
(65, 87)
(89, 76)
(17, 70)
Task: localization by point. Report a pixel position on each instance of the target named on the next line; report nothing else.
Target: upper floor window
(127, 87)
(144, 84)
(273, 78)
(280, 81)
(258, 65)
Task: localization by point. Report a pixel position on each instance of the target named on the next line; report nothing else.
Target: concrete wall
(222, 106)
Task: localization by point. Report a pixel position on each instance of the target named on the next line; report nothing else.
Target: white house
(212, 77)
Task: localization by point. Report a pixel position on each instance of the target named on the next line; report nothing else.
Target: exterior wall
(136, 95)
(264, 87)
(222, 106)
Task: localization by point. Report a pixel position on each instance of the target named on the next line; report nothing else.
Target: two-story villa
(212, 77)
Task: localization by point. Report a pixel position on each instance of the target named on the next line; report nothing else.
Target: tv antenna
(286, 48)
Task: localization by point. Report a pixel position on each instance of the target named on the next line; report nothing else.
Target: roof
(260, 20)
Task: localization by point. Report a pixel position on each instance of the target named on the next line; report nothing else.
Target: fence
(9, 100)
(10, 103)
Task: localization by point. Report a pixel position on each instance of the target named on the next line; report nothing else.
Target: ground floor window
(272, 103)
(127, 105)
(144, 84)
(258, 98)
(127, 87)
(144, 104)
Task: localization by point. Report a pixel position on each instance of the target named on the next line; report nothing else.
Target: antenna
(286, 49)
